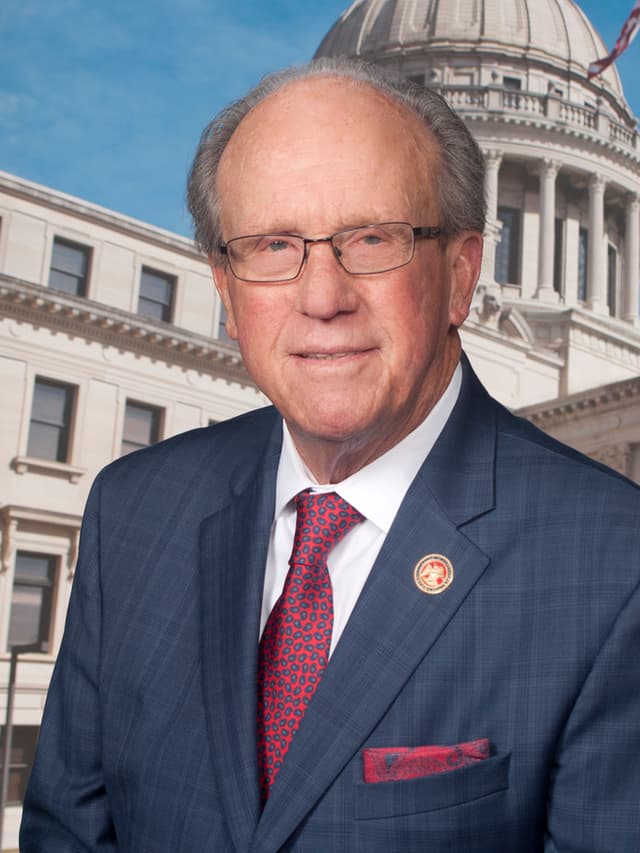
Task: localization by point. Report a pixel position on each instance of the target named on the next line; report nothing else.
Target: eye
(275, 244)
(366, 237)
(371, 239)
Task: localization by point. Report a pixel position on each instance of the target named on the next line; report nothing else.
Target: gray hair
(460, 188)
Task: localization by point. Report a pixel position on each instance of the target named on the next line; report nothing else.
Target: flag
(627, 34)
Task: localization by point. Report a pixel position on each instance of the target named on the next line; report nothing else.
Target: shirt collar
(378, 489)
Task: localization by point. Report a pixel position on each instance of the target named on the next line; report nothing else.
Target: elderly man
(383, 615)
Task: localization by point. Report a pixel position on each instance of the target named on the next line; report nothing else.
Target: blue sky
(105, 99)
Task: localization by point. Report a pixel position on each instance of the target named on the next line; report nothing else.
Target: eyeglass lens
(279, 257)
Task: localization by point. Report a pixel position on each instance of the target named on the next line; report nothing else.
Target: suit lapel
(394, 624)
(234, 544)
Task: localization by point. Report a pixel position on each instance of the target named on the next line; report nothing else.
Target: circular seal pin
(433, 574)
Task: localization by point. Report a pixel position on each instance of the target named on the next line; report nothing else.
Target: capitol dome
(557, 308)
(554, 37)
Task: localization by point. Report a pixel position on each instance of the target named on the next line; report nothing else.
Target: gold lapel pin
(433, 574)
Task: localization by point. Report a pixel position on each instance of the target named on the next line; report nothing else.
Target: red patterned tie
(295, 643)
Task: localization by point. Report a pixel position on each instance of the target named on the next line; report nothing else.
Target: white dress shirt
(376, 491)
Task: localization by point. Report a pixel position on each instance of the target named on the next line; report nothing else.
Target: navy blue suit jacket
(148, 742)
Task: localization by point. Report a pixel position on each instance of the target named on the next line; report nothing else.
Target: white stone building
(112, 336)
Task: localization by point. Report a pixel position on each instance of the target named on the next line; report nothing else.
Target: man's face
(353, 363)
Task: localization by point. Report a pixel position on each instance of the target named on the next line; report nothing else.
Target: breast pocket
(440, 791)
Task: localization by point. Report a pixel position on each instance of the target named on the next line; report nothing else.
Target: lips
(334, 354)
(325, 356)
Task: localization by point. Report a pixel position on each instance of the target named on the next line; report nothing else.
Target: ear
(221, 278)
(464, 254)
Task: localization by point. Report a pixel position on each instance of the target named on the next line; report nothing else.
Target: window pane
(64, 281)
(508, 249)
(558, 253)
(33, 567)
(69, 267)
(23, 748)
(31, 598)
(44, 442)
(50, 421)
(583, 247)
(67, 258)
(141, 426)
(611, 279)
(138, 424)
(155, 287)
(154, 310)
(156, 295)
(49, 403)
(26, 609)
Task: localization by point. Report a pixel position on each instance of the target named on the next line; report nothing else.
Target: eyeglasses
(365, 250)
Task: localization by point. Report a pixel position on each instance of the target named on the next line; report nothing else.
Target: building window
(32, 599)
(416, 79)
(141, 426)
(156, 295)
(612, 266)
(583, 254)
(69, 269)
(50, 426)
(511, 94)
(23, 750)
(558, 255)
(508, 249)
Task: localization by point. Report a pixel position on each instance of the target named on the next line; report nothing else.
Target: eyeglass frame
(427, 232)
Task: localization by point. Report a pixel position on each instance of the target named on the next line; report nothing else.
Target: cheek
(416, 313)
(260, 319)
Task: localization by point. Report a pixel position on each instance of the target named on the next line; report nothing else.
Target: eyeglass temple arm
(428, 232)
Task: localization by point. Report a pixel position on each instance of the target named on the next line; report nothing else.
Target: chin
(334, 427)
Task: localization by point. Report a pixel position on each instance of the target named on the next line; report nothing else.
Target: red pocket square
(394, 763)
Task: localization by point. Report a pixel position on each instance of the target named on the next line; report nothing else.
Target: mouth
(329, 356)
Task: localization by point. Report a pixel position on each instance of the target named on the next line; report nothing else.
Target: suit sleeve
(66, 807)
(595, 790)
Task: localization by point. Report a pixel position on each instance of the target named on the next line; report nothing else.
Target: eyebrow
(342, 225)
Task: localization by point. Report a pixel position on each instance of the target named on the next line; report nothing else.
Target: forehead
(328, 148)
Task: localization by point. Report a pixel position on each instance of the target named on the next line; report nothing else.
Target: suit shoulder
(216, 448)
(535, 447)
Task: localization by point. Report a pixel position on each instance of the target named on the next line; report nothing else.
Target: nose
(325, 288)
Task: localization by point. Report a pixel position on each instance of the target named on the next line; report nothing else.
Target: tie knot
(323, 520)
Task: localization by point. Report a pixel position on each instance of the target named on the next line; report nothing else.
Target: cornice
(88, 212)
(11, 516)
(40, 516)
(582, 404)
(94, 321)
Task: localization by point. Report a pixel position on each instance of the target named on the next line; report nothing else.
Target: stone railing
(520, 104)
(577, 115)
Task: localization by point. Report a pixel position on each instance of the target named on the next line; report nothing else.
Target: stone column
(596, 282)
(493, 159)
(632, 260)
(546, 241)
